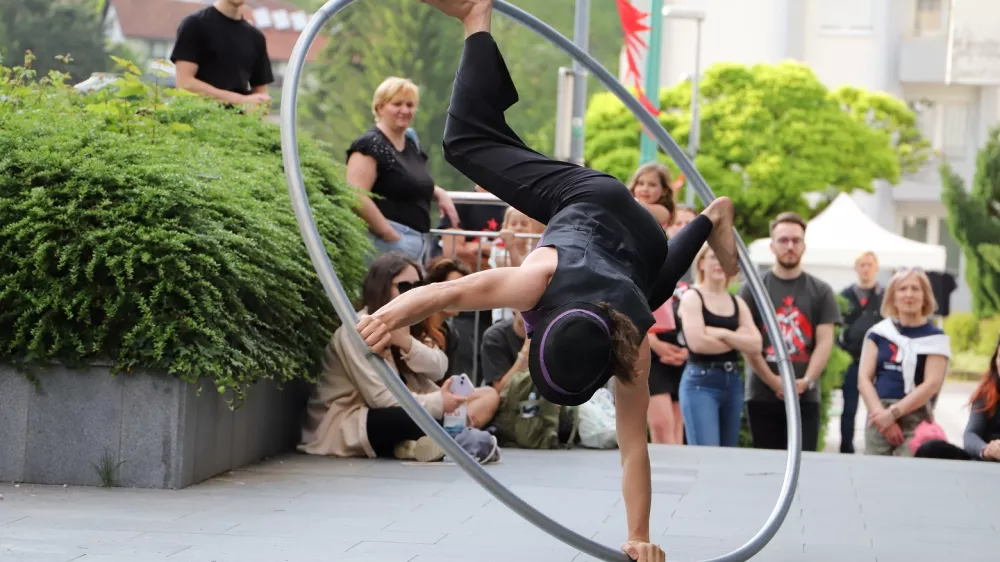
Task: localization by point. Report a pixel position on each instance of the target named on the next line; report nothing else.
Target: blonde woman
(388, 163)
(717, 327)
(510, 251)
(903, 364)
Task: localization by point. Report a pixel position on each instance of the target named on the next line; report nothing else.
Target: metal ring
(342, 304)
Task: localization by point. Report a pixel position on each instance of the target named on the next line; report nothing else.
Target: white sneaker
(426, 450)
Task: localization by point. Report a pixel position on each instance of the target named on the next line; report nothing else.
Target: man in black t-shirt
(221, 55)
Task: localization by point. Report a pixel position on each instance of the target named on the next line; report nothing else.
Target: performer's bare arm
(519, 288)
(631, 404)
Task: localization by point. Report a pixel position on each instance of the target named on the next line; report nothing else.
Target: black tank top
(598, 262)
(731, 323)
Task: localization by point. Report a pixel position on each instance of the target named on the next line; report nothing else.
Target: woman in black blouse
(389, 163)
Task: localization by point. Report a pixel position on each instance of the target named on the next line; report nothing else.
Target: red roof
(159, 19)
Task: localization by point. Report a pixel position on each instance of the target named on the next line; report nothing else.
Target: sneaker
(494, 455)
(426, 450)
(405, 450)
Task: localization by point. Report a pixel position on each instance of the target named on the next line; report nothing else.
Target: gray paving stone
(301, 509)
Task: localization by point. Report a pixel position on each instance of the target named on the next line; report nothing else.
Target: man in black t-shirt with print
(219, 54)
(807, 312)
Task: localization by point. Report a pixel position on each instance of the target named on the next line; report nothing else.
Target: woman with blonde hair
(903, 365)
(388, 163)
(717, 327)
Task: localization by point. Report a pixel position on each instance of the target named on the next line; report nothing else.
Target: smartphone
(461, 385)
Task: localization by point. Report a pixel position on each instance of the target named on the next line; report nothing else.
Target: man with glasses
(807, 313)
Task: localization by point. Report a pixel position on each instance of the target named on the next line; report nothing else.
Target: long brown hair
(432, 327)
(625, 342)
(376, 291)
(663, 174)
(989, 387)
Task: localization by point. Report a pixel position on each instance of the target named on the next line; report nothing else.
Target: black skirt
(665, 379)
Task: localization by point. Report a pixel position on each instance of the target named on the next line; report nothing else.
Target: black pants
(938, 449)
(769, 424)
(389, 426)
(851, 396)
(479, 143)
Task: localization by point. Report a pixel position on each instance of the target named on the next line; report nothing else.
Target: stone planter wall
(165, 434)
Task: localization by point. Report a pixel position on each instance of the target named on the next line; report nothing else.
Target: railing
(482, 237)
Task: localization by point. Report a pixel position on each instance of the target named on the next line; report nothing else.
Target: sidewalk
(707, 501)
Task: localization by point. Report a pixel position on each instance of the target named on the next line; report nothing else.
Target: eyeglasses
(903, 271)
(786, 240)
(403, 286)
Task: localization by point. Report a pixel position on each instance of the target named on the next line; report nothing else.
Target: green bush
(986, 340)
(962, 329)
(153, 229)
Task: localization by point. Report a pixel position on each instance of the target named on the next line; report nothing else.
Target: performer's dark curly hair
(625, 340)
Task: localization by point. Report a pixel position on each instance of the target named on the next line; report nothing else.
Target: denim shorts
(411, 243)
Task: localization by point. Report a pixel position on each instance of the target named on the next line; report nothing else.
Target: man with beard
(221, 55)
(807, 313)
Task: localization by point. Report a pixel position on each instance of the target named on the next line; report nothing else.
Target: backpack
(527, 421)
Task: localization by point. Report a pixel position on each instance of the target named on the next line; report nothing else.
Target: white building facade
(942, 56)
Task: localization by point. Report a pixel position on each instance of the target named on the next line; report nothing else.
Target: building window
(953, 260)
(158, 49)
(928, 18)
(954, 128)
(915, 228)
(846, 16)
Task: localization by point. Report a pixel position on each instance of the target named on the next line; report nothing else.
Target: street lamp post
(694, 137)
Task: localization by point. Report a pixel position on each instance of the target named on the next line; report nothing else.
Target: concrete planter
(158, 428)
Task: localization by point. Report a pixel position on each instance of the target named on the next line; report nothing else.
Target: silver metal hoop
(342, 304)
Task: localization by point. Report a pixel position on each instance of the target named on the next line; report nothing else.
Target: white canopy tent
(838, 235)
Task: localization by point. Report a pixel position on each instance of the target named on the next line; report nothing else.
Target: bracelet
(522, 357)
(895, 412)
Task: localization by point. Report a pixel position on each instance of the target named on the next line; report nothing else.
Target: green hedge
(153, 229)
(972, 341)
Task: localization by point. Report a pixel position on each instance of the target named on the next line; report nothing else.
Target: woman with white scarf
(903, 365)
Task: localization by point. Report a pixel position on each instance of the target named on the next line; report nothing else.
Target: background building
(941, 56)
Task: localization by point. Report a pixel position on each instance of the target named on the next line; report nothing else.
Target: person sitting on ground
(440, 326)
(651, 187)
(504, 351)
(510, 250)
(351, 412)
(982, 434)
(717, 327)
(903, 364)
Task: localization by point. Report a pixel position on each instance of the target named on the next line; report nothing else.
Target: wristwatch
(895, 412)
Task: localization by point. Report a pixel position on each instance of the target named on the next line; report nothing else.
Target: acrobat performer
(588, 290)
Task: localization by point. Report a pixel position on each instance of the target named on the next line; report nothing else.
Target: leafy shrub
(154, 230)
(962, 329)
(986, 341)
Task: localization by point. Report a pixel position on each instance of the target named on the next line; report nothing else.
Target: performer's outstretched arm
(519, 288)
(631, 404)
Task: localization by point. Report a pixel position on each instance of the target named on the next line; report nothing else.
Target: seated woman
(717, 327)
(982, 434)
(903, 364)
(352, 413)
(440, 326)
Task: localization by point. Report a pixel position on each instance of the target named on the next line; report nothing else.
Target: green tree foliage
(769, 135)
(154, 229)
(974, 221)
(50, 29)
(374, 40)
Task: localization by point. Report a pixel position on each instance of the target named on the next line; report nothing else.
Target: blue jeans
(712, 404)
(411, 243)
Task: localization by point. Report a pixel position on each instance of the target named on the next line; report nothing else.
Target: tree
(769, 135)
(405, 38)
(50, 29)
(974, 221)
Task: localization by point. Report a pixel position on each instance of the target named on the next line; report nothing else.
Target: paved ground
(707, 501)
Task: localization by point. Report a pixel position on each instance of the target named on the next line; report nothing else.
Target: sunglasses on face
(404, 286)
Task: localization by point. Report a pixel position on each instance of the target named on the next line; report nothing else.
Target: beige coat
(337, 412)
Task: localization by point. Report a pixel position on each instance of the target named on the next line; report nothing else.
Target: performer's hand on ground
(376, 334)
(643, 551)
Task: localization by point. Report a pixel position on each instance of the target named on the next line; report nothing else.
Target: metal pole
(581, 32)
(694, 138)
(648, 146)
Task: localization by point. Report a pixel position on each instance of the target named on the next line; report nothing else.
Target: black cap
(570, 356)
